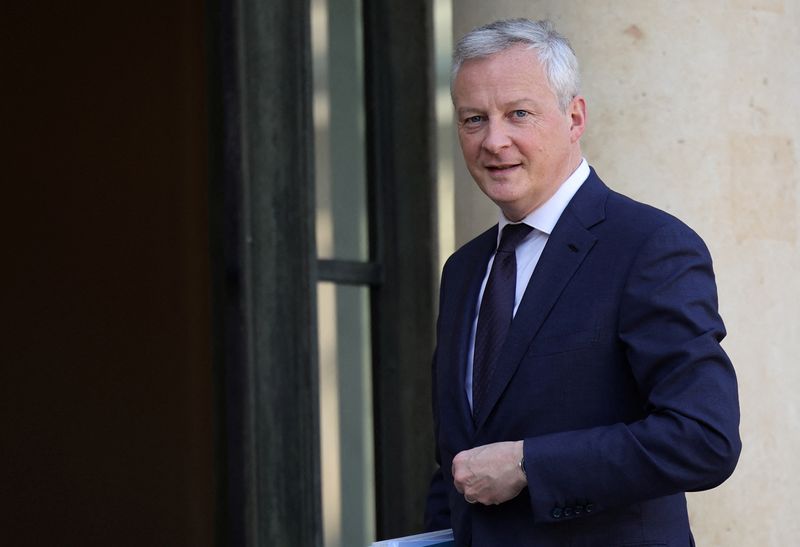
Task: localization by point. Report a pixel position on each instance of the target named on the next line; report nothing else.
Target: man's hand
(489, 474)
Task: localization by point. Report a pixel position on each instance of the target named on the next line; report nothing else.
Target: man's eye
(520, 113)
(473, 119)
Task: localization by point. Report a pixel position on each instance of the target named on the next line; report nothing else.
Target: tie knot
(513, 234)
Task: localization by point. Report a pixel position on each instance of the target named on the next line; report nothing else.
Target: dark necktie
(497, 310)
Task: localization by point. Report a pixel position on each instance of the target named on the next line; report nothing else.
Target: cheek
(535, 150)
(470, 146)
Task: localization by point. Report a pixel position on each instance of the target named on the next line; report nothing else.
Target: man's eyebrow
(525, 101)
(521, 102)
(464, 109)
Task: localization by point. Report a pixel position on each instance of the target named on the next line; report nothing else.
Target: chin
(502, 196)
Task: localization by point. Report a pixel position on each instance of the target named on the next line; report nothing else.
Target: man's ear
(577, 114)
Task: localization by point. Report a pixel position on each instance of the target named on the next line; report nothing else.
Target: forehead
(503, 76)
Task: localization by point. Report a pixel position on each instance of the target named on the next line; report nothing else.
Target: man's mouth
(502, 167)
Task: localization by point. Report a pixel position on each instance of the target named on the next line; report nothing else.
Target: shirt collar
(544, 217)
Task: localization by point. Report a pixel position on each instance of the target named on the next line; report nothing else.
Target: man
(582, 421)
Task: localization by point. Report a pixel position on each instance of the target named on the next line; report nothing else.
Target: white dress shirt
(543, 219)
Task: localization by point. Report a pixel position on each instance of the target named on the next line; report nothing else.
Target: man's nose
(496, 138)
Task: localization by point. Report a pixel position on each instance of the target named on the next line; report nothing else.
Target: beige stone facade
(694, 108)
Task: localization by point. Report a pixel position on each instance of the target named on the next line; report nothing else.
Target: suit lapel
(566, 249)
(473, 269)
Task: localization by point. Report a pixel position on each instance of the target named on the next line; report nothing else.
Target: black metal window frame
(350, 272)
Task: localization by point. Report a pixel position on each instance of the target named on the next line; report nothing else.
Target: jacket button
(589, 507)
(567, 511)
(578, 509)
(557, 513)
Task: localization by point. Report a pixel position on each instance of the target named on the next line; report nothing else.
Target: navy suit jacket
(612, 373)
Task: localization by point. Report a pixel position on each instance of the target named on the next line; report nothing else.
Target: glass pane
(348, 469)
(348, 491)
(445, 131)
(339, 129)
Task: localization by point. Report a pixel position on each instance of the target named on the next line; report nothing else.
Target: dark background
(106, 353)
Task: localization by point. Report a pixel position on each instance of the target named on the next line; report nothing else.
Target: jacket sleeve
(437, 509)
(688, 438)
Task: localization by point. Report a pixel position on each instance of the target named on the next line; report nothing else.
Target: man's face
(517, 144)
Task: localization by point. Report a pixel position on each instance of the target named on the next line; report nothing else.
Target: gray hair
(553, 50)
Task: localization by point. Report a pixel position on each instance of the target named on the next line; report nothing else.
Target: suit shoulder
(640, 220)
(477, 248)
(600, 208)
